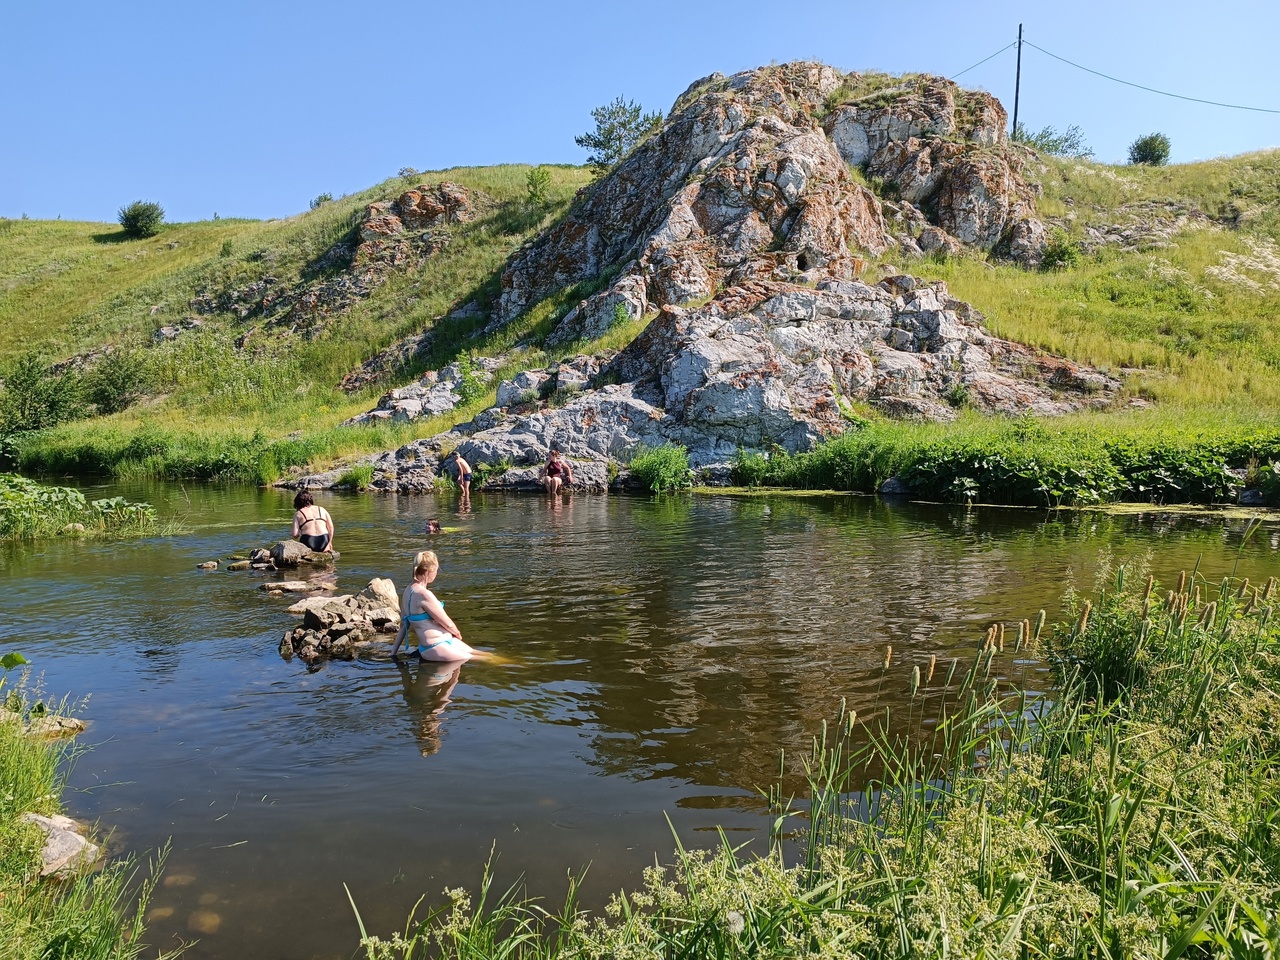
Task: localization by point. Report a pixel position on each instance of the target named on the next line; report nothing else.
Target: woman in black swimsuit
(312, 525)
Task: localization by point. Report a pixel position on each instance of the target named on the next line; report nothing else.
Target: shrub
(1060, 252)
(359, 476)
(321, 200)
(407, 174)
(749, 468)
(35, 397)
(662, 468)
(1068, 143)
(1152, 150)
(142, 218)
(538, 183)
(620, 125)
(117, 382)
(227, 247)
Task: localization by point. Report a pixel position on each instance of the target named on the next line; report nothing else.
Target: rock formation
(742, 226)
(337, 627)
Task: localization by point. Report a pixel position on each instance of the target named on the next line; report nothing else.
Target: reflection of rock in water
(426, 690)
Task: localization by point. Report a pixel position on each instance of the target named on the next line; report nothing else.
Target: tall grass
(95, 916)
(30, 510)
(1133, 815)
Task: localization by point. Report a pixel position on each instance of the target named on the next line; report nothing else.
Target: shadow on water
(663, 654)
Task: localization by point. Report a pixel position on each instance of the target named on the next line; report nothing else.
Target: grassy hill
(1190, 319)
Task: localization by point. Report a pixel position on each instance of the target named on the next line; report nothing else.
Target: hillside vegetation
(1188, 314)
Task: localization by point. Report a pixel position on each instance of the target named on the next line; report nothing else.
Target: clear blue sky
(253, 108)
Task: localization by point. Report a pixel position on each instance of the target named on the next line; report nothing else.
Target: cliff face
(751, 179)
(742, 227)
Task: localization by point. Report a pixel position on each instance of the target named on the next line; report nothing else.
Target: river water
(664, 654)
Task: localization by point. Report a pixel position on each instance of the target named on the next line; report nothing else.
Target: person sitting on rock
(556, 473)
(439, 638)
(312, 525)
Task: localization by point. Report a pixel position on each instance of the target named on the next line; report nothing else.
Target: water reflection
(426, 688)
(665, 654)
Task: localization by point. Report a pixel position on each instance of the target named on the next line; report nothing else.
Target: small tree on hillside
(538, 183)
(1068, 143)
(619, 127)
(34, 397)
(142, 218)
(1153, 150)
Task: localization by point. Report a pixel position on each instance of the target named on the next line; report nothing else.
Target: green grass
(1133, 815)
(31, 510)
(96, 916)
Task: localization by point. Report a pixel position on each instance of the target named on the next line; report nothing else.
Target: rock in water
(65, 849)
(207, 565)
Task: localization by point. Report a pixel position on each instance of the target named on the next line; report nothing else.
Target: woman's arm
(296, 525)
(404, 628)
(436, 609)
(328, 522)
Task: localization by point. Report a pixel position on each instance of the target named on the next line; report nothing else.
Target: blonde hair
(424, 563)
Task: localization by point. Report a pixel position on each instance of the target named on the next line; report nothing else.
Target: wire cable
(1163, 93)
(984, 60)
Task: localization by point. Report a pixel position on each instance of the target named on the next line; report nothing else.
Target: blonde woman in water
(439, 638)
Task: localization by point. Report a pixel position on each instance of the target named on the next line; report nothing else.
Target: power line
(1163, 93)
(984, 60)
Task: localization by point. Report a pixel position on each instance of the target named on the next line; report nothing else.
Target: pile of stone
(336, 628)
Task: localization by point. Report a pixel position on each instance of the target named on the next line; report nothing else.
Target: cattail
(1168, 600)
(1083, 624)
(1022, 635)
(1151, 582)
(955, 662)
(1244, 588)
(888, 655)
(1182, 581)
(1040, 617)
(915, 679)
(933, 662)
(1271, 585)
(1002, 638)
(1146, 609)
(1253, 602)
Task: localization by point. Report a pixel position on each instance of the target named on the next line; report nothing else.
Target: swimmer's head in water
(433, 525)
(425, 564)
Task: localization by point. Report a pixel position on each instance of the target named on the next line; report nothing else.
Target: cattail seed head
(1151, 582)
(1182, 582)
(1244, 588)
(915, 679)
(933, 662)
(888, 656)
(1083, 624)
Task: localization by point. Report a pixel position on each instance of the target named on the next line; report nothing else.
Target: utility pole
(1017, 81)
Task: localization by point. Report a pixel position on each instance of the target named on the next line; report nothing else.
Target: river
(664, 654)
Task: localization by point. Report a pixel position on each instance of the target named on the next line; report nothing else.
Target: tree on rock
(142, 218)
(1153, 150)
(619, 127)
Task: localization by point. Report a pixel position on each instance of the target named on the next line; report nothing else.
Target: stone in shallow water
(204, 921)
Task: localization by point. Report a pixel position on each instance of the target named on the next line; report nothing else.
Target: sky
(251, 109)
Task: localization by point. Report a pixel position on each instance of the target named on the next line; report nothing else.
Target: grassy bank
(30, 510)
(1157, 456)
(91, 917)
(1134, 815)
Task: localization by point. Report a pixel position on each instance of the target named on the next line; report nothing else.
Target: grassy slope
(1207, 349)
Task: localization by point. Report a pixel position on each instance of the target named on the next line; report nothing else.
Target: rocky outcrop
(749, 179)
(740, 181)
(437, 392)
(393, 235)
(339, 627)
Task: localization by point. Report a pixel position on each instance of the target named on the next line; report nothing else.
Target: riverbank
(1133, 815)
(91, 916)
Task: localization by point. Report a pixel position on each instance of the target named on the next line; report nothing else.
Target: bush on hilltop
(142, 218)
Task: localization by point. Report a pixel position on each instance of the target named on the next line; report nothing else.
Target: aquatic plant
(29, 510)
(662, 469)
(1134, 815)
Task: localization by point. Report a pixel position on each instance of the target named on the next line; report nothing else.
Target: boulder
(382, 591)
(53, 726)
(315, 603)
(296, 586)
(207, 565)
(238, 565)
(65, 849)
(291, 553)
